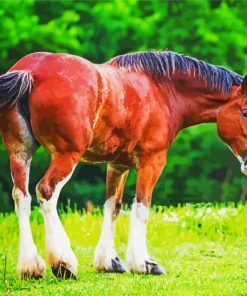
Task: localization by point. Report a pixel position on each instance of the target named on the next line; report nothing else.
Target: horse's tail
(15, 87)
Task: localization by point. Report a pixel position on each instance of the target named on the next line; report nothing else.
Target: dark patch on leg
(23, 108)
(61, 271)
(117, 209)
(153, 268)
(45, 190)
(117, 266)
(28, 275)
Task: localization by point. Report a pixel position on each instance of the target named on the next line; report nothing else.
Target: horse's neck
(193, 105)
(202, 108)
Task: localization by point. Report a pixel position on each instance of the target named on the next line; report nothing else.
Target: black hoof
(61, 271)
(117, 266)
(154, 268)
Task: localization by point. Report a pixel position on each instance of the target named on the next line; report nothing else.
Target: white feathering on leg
(30, 264)
(137, 252)
(105, 250)
(57, 242)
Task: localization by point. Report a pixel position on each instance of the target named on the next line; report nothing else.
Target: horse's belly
(123, 159)
(102, 150)
(113, 149)
(94, 157)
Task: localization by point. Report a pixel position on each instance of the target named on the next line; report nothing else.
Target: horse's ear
(244, 86)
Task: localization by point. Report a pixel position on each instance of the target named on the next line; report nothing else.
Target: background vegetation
(200, 167)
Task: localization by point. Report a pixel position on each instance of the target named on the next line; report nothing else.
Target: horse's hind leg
(138, 259)
(30, 264)
(59, 253)
(105, 257)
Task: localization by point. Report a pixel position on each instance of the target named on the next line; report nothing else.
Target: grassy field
(204, 249)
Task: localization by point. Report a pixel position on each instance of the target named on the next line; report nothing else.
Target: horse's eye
(244, 113)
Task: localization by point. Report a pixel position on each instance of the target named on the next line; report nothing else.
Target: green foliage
(200, 168)
(203, 247)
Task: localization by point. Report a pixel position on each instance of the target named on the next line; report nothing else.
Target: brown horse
(125, 112)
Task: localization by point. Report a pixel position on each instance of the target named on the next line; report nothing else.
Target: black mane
(164, 63)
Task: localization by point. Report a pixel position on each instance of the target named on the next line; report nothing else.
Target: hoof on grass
(117, 266)
(31, 275)
(113, 266)
(32, 268)
(62, 271)
(154, 268)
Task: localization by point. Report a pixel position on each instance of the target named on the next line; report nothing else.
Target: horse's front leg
(105, 256)
(30, 264)
(137, 257)
(60, 256)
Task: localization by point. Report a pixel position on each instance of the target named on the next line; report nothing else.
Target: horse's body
(127, 113)
(112, 111)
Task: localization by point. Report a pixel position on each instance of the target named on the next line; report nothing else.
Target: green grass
(204, 249)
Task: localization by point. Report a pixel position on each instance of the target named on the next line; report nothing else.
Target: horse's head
(232, 124)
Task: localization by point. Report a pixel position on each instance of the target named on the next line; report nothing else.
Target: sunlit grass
(204, 249)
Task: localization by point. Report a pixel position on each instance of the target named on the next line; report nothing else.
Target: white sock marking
(57, 242)
(137, 252)
(29, 261)
(105, 250)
